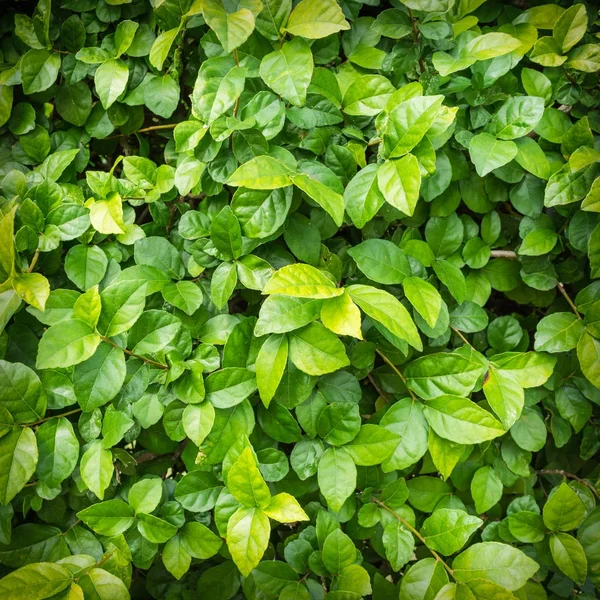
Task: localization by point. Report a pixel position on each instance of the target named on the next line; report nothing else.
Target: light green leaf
(461, 421)
(315, 19)
(387, 310)
(288, 71)
(499, 563)
(18, 460)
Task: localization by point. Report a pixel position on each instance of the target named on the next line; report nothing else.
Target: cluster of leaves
(331, 265)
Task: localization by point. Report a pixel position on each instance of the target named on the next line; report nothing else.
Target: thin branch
(397, 371)
(377, 388)
(66, 414)
(33, 261)
(504, 254)
(156, 127)
(130, 353)
(570, 476)
(561, 289)
(415, 533)
(415, 33)
(462, 337)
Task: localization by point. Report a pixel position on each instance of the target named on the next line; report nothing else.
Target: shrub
(299, 302)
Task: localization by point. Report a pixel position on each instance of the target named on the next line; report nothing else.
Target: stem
(130, 353)
(103, 560)
(462, 337)
(236, 57)
(33, 261)
(415, 33)
(155, 127)
(561, 289)
(377, 388)
(569, 476)
(504, 254)
(415, 533)
(374, 142)
(396, 370)
(71, 412)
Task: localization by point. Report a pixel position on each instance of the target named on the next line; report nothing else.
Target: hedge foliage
(299, 302)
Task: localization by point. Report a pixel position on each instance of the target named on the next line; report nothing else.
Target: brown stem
(130, 353)
(396, 370)
(569, 476)
(66, 414)
(561, 289)
(415, 33)
(377, 388)
(415, 533)
(33, 261)
(504, 254)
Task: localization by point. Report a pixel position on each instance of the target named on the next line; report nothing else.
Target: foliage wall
(299, 301)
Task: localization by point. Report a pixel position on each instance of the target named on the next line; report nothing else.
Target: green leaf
(569, 556)
(405, 418)
(461, 421)
(97, 468)
(486, 489)
(448, 530)
(409, 122)
(558, 332)
(66, 344)
(504, 394)
(563, 510)
(185, 295)
(570, 27)
(22, 393)
(246, 483)
(262, 173)
(316, 351)
(110, 81)
(229, 386)
(443, 373)
(362, 196)
(499, 563)
(302, 281)
(248, 533)
(19, 456)
(339, 551)
(381, 261)
(35, 581)
(337, 477)
(199, 541)
(161, 47)
(155, 530)
(372, 445)
(58, 451)
(288, 71)
(387, 310)
(314, 19)
(424, 297)
(270, 365)
(232, 29)
(516, 117)
(218, 86)
(489, 153)
(328, 199)
(285, 509)
(108, 518)
(144, 496)
(39, 70)
(399, 182)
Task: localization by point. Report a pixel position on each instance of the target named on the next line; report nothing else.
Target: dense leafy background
(299, 302)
